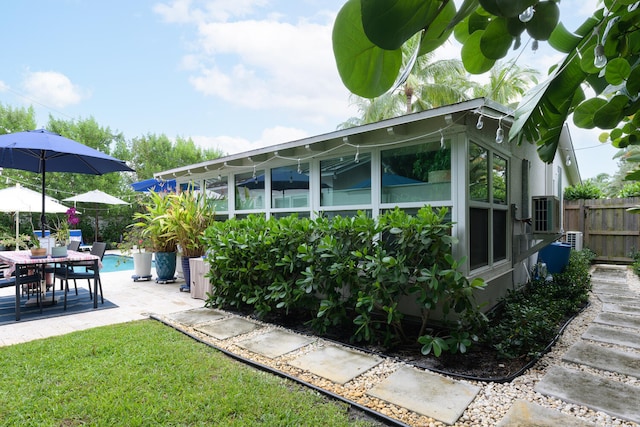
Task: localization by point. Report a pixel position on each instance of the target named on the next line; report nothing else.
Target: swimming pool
(111, 263)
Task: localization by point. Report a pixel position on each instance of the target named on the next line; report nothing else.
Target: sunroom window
(419, 173)
(488, 207)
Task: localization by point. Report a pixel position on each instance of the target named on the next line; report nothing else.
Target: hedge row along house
(505, 202)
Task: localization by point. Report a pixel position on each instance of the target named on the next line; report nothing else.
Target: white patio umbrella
(21, 199)
(96, 197)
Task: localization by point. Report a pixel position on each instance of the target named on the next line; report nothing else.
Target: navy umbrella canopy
(43, 151)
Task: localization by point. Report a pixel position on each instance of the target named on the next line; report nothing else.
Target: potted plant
(189, 214)
(154, 224)
(138, 245)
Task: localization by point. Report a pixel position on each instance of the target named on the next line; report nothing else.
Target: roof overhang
(444, 117)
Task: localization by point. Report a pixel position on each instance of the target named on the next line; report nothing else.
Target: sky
(234, 75)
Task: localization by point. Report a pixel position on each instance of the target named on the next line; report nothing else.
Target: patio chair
(74, 245)
(76, 236)
(81, 270)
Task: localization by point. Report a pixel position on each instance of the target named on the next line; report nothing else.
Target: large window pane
(499, 235)
(346, 180)
(218, 189)
(499, 180)
(416, 174)
(478, 173)
(250, 191)
(478, 237)
(290, 186)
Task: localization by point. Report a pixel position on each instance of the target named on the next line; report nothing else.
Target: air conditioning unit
(574, 238)
(546, 214)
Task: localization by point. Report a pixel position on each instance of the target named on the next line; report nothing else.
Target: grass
(144, 373)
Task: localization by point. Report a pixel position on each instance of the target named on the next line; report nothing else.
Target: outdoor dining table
(17, 260)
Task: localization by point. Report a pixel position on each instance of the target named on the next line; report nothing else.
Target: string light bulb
(441, 140)
(599, 60)
(499, 132)
(299, 168)
(254, 171)
(527, 14)
(534, 45)
(356, 159)
(480, 123)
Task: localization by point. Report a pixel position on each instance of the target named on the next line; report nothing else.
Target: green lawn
(147, 374)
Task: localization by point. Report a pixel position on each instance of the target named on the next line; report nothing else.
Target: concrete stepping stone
(337, 364)
(196, 316)
(605, 288)
(606, 359)
(611, 272)
(275, 343)
(618, 319)
(621, 308)
(620, 299)
(598, 393)
(426, 393)
(612, 336)
(527, 414)
(227, 328)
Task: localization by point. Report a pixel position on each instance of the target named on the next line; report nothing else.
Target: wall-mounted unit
(546, 214)
(574, 238)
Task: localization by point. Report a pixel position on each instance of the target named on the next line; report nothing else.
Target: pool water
(111, 263)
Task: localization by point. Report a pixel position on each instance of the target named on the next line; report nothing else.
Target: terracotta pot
(38, 251)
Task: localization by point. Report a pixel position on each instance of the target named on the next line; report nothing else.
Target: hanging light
(441, 140)
(568, 161)
(356, 159)
(599, 60)
(499, 133)
(534, 45)
(527, 14)
(480, 123)
(299, 168)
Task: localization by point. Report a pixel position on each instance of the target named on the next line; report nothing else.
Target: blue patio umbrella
(154, 184)
(43, 151)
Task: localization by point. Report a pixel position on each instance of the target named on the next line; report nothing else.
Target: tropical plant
(603, 53)
(154, 222)
(188, 215)
(135, 239)
(586, 190)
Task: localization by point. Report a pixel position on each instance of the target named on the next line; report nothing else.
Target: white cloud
(3, 86)
(232, 145)
(53, 89)
(266, 64)
(188, 11)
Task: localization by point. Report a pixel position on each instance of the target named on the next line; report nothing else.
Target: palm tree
(508, 82)
(435, 83)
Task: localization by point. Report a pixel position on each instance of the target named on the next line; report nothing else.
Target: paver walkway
(610, 344)
(445, 399)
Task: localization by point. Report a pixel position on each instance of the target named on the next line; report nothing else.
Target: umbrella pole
(95, 205)
(17, 228)
(43, 218)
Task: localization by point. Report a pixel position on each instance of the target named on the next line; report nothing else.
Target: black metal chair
(81, 270)
(73, 245)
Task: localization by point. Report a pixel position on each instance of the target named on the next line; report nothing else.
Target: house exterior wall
(346, 171)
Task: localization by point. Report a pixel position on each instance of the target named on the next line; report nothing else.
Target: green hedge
(347, 274)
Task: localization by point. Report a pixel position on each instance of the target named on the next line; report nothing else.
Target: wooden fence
(608, 229)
